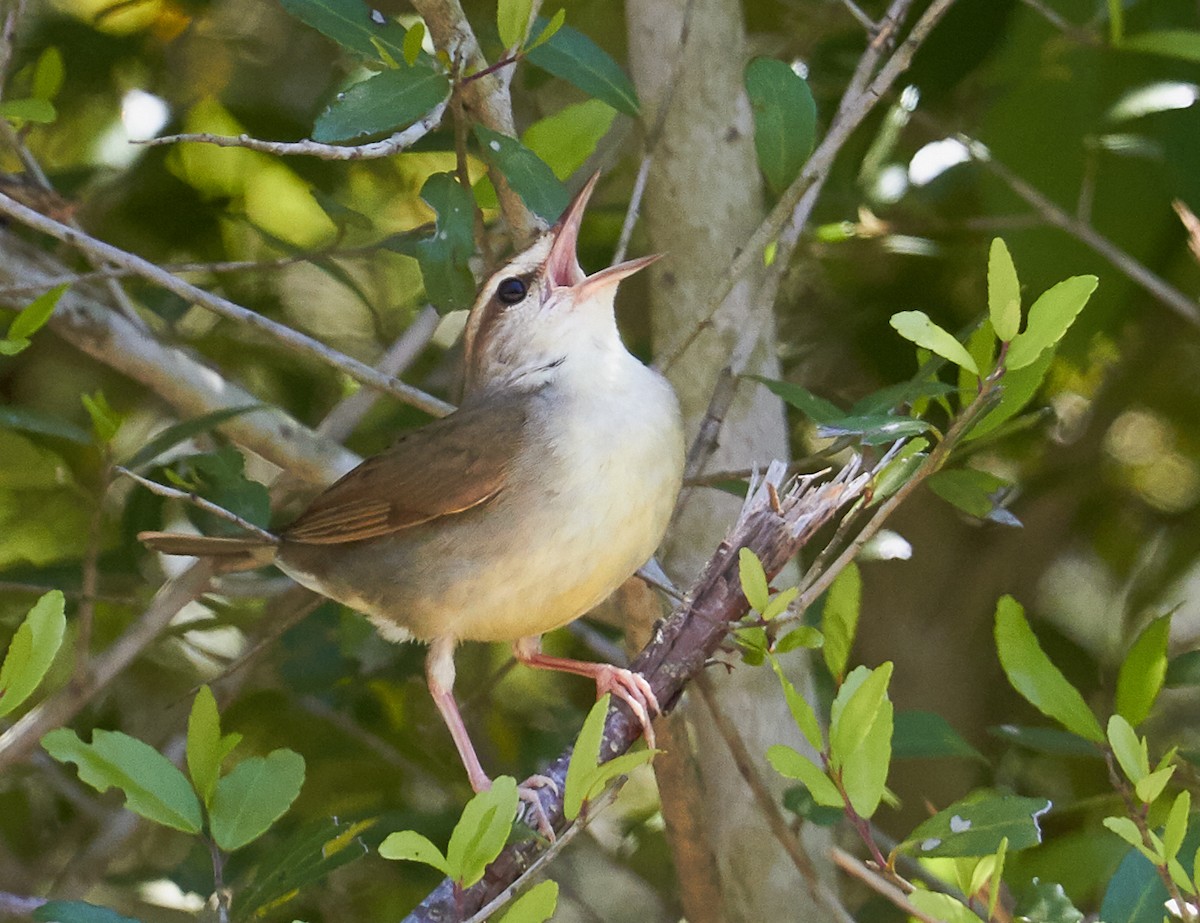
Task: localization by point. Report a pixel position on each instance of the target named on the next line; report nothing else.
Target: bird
(551, 483)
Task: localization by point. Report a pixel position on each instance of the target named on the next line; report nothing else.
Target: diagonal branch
(680, 648)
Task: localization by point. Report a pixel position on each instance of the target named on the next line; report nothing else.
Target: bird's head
(541, 310)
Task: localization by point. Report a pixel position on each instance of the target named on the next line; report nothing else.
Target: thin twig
(199, 502)
(373, 150)
(634, 208)
(293, 339)
(863, 19)
(856, 869)
(89, 580)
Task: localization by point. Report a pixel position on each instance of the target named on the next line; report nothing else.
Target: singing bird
(551, 484)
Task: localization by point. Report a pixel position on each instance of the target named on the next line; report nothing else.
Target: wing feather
(446, 467)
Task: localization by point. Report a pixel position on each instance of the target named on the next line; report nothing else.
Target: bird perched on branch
(548, 487)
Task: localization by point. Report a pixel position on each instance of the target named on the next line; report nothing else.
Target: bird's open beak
(562, 265)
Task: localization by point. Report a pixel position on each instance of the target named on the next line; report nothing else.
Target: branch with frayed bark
(774, 524)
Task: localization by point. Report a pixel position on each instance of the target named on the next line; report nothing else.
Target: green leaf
(1135, 892)
(220, 477)
(566, 139)
(801, 636)
(753, 579)
(28, 110)
(536, 905)
(1047, 740)
(1036, 678)
(1184, 669)
(1143, 671)
(1049, 319)
(1149, 788)
(444, 255)
(512, 21)
(204, 744)
(13, 347)
(1047, 902)
(794, 765)
(351, 24)
(547, 33)
(1127, 830)
(253, 796)
(860, 737)
(482, 831)
(1129, 749)
(839, 619)
(876, 429)
(48, 74)
(572, 56)
(815, 408)
(410, 846)
(1176, 826)
(34, 316)
(1181, 44)
(1018, 390)
(152, 786)
(32, 650)
(387, 102)
(925, 735)
(584, 756)
(180, 432)
(917, 327)
(899, 470)
(528, 175)
(785, 120)
(977, 824)
(31, 421)
(942, 907)
(977, 493)
(618, 766)
(1004, 292)
(413, 43)
(907, 393)
(78, 912)
(105, 421)
(802, 712)
(779, 603)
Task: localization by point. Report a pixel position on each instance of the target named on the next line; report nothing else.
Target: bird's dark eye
(511, 290)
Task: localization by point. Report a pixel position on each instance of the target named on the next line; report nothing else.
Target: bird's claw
(531, 812)
(632, 689)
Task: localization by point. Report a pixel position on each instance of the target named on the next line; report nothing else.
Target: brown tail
(229, 554)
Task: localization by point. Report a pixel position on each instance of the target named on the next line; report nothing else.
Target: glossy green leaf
(802, 712)
(942, 907)
(753, 579)
(204, 744)
(1047, 902)
(512, 21)
(785, 120)
(860, 737)
(528, 175)
(78, 912)
(1181, 44)
(877, 429)
(567, 138)
(976, 493)
(571, 56)
(1047, 740)
(444, 254)
(839, 619)
(33, 317)
(25, 420)
(387, 102)
(482, 831)
(918, 328)
(815, 408)
(253, 796)
(410, 846)
(537, 905)
(1143, 671)
(1004, 292)
(927, 735)
(543, 31)
(1036, 678)
(220, 477)
(49, 74)
(414, 41)
(794, 765)
(977, 824)
(32, 650)
(152, 786)
(180, 432)
(1129, 749)
(899, 470)
(1050, 317)
(352, 24)
(28, 110)
(584, 756)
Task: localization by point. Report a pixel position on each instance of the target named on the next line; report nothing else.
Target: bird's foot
(632, 689)
(531, 811)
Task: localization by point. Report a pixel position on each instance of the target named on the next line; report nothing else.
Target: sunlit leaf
(413, 43)
(860, 736)
(942, 907)
(253, 796)
(1150, 787)
(785, 120)
(839, 618)
(800, 636)
(482, 831)
(1036, 678)
(1050, 317)
(1176, 826)
(385, 103)
(536, 905)
(28, 110)
(204, 744)
(528, 175)
(1181, 44)
(917, 327)
(543, 31)
(753, 579)
(794, 765)
(976, 825)
(1143, 671)
(802, 712)
(410, 846)
(1128, 748)
(512, 21)
(1018, 389)
(1135, 893)
(575, 58)
(350, 23)
(1004, 292)
(152, 786)
(32, 650)
(33, 317)
(584, 756)
(567, 138)
(49, 74)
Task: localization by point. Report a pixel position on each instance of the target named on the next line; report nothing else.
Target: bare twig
(386, 148)
(863, 19)
(633, 209)
(291, 338)
(199, 502)
(853, 867)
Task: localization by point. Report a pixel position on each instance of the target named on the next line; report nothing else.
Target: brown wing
(445, 467)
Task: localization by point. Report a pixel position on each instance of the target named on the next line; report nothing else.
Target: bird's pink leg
(631, 688)
(439, 675)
